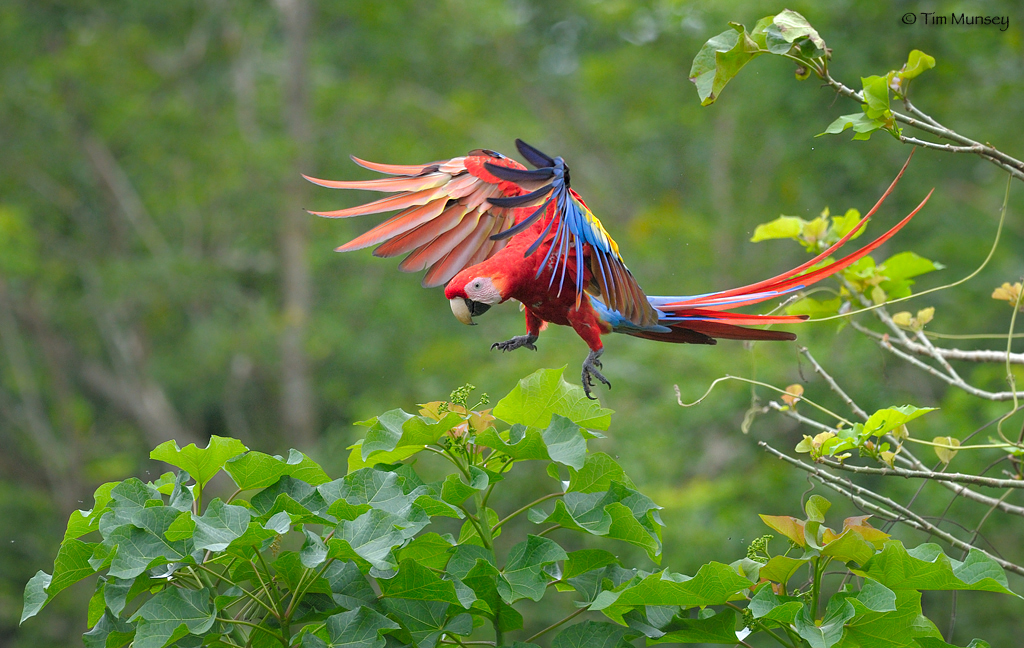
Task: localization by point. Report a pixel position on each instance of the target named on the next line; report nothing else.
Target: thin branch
(925, 123)
(524, 508)
(959, 478)
(832, 384)
(857, 493)
(886, 343)
(557, 623)
(955, 381)
(980, 355)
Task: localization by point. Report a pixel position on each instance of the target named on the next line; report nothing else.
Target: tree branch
(902, 514)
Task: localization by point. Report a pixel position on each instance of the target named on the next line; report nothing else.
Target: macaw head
(472, 293)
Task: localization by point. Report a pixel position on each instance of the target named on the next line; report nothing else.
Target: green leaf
(349, 588)
(455, 491)
(783, 227)
(425, 620)
(932, 642)
(486, 582)
(83, 522)
(545, 393)
(917, 62)
(469, 534)
(925, 567)
(201, 463)
(305, 469)
(861, 124)
(714, 584)
(789, 28)
(314, 551)
(597, 474)
(109, 632)
(384, 433)
(35, 595)
(815, 309)
(876, 597)
(70, 566)
(373, 535)
(520, 442)
(620, 512)
(905, 265)
(146, 545)
(219, 525)
(781, 568)
(565, 442)
(768, 606)
(181, 528)
(849, 546)
(430, 550)
(359, 628)
(293, 495)
(816, 508)
(888, 419)
(830, 631)
(591, 634)
(256, 470)
(417, 582)
(876, 97)
(356, 462)
(720, 59)
(890, 629)
(172, 614)
(524, 569)
(718, 628)
(842, 225)
(584, 560)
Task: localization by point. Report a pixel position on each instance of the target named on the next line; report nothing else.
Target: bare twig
(832, 384)
(894, 511)
(959, 478)
(980, 355)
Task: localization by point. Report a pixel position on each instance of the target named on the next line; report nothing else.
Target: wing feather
(407, 220)
(423, 234)
(434, 251)
(458, 258)
(444, 218)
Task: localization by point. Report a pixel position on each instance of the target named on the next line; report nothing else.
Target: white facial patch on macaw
(483, 290)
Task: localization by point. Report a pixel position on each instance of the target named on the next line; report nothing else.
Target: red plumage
(493, 230)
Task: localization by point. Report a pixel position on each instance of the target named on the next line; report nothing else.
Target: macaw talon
(590, 371)
(516, 342)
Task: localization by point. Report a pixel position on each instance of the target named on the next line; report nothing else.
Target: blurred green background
(158, 277)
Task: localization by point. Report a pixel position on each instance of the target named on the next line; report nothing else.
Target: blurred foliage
(143, 166)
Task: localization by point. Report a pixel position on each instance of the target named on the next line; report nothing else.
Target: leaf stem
(525, 508)
(762, 626)
(244, 591)
(284, 642)
(557, 623)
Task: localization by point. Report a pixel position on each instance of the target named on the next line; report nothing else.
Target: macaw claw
(590, 371)
(516, 342)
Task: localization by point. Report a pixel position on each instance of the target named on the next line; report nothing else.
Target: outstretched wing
(574, 227)
(446, 222)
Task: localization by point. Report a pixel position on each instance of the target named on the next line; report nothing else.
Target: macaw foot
(516, 342)
(590, 371)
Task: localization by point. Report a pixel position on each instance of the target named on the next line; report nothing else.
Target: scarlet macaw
(492, 230)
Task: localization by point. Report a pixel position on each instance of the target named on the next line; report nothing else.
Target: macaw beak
(465, 309)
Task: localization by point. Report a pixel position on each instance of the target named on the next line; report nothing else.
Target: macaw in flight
(491, 230)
